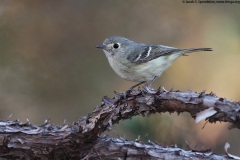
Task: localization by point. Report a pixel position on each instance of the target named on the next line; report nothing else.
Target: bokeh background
(49, 67)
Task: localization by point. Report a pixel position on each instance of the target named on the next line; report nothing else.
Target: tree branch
(81, 139)
(111, 148)
(140, 103)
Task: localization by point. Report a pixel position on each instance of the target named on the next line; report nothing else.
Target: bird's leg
(131, 88)
(124, 94)
(138, 84)
(150, 84)
(148, 87)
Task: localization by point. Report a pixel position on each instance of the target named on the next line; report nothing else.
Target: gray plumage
(140, 62)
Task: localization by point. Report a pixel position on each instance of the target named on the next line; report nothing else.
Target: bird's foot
(126, 94)
(147, 88)
(129, 92)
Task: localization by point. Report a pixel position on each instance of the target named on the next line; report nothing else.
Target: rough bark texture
(83, 138)
(118, 149)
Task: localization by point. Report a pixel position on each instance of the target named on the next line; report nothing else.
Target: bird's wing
(148, 53)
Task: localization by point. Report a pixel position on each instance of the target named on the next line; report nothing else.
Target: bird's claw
(150, 90)
(130, 92)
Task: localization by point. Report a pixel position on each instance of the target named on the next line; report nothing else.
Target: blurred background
(49, 67)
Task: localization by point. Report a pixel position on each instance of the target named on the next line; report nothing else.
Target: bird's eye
(115, 45)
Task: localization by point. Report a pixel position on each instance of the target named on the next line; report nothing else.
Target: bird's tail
(190, 50)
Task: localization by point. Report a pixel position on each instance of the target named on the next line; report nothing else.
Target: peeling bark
(118, 149)
(82, 139)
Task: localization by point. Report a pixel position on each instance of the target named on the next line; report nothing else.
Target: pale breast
(142, 72)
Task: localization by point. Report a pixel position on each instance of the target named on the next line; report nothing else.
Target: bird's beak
(101, 46)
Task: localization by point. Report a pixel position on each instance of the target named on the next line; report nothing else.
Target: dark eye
(115, 45)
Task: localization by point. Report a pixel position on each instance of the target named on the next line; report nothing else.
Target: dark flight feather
(142, 55)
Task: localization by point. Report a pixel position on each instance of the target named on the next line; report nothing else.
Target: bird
(139, 62)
